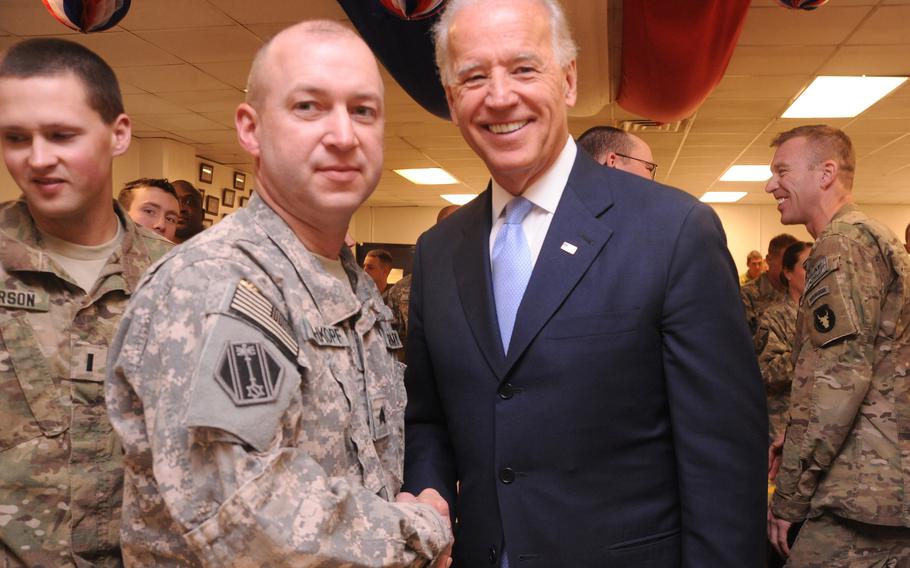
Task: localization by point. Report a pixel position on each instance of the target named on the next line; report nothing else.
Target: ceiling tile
(829, 26)
(169, 78)
(206, 45)
(164, 14)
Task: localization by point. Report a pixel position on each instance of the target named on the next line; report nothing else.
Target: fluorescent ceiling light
(427, 176)
(722, 196)
(747, 173)
(458, 198)
(841, 97)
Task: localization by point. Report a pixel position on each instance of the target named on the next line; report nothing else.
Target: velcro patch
(819, 270)
(249, 302)
(36, 301)
(330, 336)
(249, 374)
(816, 294)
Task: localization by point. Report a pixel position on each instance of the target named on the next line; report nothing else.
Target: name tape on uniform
(24, 300)
(390, 336)
(330, 336)
(249, 302)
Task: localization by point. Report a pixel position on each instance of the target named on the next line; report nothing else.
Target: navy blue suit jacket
(627, 426)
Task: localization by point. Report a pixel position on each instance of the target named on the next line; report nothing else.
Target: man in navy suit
(614, 414)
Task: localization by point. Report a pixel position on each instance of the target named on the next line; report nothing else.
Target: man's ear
(121, 134)
(570, 90)
(828, 170)
(610, 160)
(246, 120)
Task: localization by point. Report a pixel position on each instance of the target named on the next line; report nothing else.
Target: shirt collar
(547, 190)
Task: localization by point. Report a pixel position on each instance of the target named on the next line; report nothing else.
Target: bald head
(290, 38)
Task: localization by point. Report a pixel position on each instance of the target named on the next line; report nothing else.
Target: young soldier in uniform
(69, 260)
(260, 405)
(767, 288)
(844, 465)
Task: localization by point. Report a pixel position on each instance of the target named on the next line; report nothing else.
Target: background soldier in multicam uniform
(69, 259)
(774, 339)
(844, 465)
(767, 289)
(259, 403)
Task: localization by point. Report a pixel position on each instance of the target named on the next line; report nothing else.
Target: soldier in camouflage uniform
(844, 464)
(767, 289)
(398, 300)
(260, 406)
(69, 260)
(774, 339)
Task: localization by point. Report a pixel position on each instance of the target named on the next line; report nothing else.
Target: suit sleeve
(429, 456)
(716, 399)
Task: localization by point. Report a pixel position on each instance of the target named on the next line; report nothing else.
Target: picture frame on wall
(227, 197)
(212, 204)
(206, 172)
(239, 180)
(244, 200)
(206, 223)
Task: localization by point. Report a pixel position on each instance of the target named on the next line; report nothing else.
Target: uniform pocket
(31, 403)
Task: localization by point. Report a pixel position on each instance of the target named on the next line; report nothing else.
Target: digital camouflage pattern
(398, 301)
(60, 463)
(774, 346)
(757, 295)
(831, 542)
(847, 449)
(261, 411)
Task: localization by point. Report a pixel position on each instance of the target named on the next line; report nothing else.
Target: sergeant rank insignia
(824, 318)
(249, 374)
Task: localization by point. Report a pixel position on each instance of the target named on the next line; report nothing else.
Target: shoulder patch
(35, 301)
(249, 374)
(249, 302)
(822, 267)
(824, 319)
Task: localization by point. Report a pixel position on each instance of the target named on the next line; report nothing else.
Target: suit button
(506, 391)
(507, 475)
(493, 556)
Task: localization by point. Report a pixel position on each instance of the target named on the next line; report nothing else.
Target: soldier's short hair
(752, 255)
(384, 256)
(827, 143)
(126, 195)
(779, 243)
(44, 57)
(599, 140)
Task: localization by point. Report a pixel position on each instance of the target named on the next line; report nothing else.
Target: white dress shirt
(544, 193)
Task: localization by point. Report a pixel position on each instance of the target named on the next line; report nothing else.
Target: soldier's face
(57, 148)
(796, 184)
(377, 271)
(155, 209)
(317, 130)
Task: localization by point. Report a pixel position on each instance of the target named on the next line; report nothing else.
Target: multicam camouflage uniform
(398, 301)
(60, 463)
(261, 412)
(757, 295)
(847, 450)
(774, 345)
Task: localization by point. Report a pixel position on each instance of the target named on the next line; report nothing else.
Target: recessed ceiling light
(747, 173)
(458, 198)
(722, 196)
(427, 176)
(841, 97)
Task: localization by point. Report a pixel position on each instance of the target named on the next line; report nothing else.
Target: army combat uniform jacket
(774, 346)
(847, 449)
(261, 410)
(757, 295)
(60, 463)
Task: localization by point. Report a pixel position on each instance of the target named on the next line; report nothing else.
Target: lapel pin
(569, 248)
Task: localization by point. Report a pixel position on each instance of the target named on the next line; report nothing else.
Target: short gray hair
(563, 45)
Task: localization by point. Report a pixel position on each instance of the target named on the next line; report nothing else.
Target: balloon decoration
(398, 32)
(88, 15)
(413, 9)
(802, 4)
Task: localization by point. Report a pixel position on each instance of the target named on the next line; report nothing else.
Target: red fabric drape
(674, 52)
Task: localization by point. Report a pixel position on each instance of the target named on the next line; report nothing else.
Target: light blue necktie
(512, 266)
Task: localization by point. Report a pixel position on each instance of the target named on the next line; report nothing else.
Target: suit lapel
(474, 283)
(557, 270)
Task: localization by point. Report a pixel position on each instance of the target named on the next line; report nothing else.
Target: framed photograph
(212, 204)
(206, 223)
(227, 197)
(239, 180)
(206, 172)
(244, 200)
